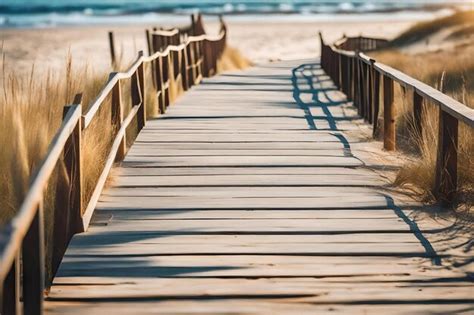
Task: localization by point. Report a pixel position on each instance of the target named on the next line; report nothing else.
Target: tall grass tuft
(232, 59)
(31, 110)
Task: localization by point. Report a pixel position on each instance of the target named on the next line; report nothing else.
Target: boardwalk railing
(22, 240)
(367, 82)
(163, 38)
(360, 43)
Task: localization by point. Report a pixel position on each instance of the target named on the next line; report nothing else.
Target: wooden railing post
(365, 89)
(194, 59)
(176, 62)
(137, 98)
(112, 50)
(200, 58)
(216, 53)
(141, 115)
(388, 115)
(190, 64)
(166, 80)
(446, 163)
(347, 73)
(353, 80)
(207, 61)
(360, 89)
(184, 70)
(370, 91)
(148, 42)
(193, 25)
(376, 103)
(160, 84)
(11, 290)
(345, 76)
(73, 163)
(68, 202)
(417, 112)
(117, 118)
(33, 265)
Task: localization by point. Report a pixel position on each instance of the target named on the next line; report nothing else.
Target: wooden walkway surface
(253, 194)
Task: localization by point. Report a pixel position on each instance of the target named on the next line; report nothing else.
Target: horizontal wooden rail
(365, 81)
(22, 239)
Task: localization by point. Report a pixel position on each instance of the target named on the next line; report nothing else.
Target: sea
(55, 13)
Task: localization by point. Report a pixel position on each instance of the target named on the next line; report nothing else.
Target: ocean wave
(19, 13)
(143, 6)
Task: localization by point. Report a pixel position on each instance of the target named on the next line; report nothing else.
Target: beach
(48, 48)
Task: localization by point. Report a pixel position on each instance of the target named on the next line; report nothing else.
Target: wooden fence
(360, 43)
(370, 85)
(163, 38)
(22, 241)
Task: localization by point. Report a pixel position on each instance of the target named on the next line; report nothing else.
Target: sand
(258, 41)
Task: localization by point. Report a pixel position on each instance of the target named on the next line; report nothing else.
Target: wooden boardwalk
(255, 193)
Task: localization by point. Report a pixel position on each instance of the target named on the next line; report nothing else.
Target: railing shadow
(315, 80)
(312, 80)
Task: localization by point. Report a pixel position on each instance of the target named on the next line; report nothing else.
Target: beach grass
(232, 59)
(463, 21)
(31, 110)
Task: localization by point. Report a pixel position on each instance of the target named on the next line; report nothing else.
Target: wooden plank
(302, 146)
(233, 266)
(212, 137)
(232, 152)
(196, 203)
(281, 306)
(300, 226)
(136, 237)
(249, 180)
(242, 191)
(244, 160)
(317, 290)
(134, 214)
(129, 170)
(355, 249)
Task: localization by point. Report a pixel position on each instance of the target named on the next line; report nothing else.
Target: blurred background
(46, 13)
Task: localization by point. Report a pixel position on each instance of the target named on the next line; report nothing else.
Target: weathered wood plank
(131, 170)
(356, 289)
(258, 226)
(235, 266)
(188, 204)
(246, 306)
(134, 214)
(247, 179)
(244, 160)
(231, 137)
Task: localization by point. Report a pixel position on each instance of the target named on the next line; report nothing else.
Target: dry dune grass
(232, 59)
(463, 21)
(457, 65)
(31, 110)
